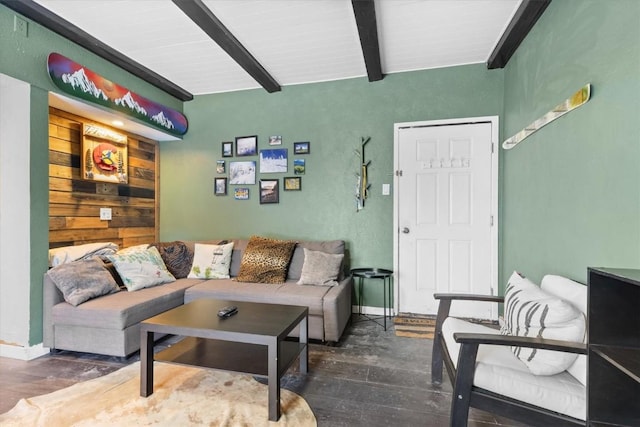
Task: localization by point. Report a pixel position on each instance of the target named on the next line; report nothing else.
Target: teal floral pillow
(141, 269)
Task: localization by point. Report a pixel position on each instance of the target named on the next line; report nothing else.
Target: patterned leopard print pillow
(265, 260)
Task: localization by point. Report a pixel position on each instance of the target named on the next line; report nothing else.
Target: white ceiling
(296, 41)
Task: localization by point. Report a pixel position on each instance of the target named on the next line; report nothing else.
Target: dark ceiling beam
(55, 23)
(210, 24)
(365, 13)
(523, 21)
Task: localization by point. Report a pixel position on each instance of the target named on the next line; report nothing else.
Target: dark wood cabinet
(613, 381)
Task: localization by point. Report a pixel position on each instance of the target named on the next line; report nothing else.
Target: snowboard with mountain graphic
(79, 81)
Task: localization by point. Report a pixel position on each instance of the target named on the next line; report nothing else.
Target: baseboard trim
(373, 311)
(23, 353)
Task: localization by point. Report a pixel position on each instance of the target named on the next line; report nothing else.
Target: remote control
(228, 311)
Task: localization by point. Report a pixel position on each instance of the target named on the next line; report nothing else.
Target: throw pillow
(320, 268)
(211, 261)
(265, 260)
(141, 269)
(82, 280)
(176, 256)
(531, 312)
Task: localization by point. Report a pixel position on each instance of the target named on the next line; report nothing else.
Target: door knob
(405, 230)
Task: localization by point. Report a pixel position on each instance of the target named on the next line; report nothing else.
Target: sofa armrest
(336, 308)
(531, 342)
(444, 307)
(466, 366)
(473, 297)
(51, 296)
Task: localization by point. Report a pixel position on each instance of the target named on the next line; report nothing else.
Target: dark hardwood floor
(370, 378)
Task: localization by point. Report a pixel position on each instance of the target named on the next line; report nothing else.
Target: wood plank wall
(74, 203)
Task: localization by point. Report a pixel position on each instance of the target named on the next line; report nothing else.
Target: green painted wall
(332, 116)
(572, 191)
(25, 59)
(39, 162)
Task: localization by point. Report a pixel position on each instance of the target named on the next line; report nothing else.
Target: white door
(445, 202)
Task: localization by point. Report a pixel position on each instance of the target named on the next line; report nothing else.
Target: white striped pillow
(531, 312)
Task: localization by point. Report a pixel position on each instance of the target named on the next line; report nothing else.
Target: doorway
(445, 214)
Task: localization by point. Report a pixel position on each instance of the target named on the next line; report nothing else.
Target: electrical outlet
(20, 26)
(105, 214)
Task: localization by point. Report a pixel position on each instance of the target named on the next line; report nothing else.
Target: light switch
(386, 188)
(105, 214)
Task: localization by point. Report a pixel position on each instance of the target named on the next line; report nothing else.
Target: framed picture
(220, 166)
(269, 191)
(104, 155)
(275, 140)
(298, 166)
(241, 193)
(273, 160)
(301, 147)
(292, 183)
(227, 149)
(242, 172)
(220, 186)
(247, 145)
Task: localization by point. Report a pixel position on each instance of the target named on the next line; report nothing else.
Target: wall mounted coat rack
(362, 184)
(577, 99)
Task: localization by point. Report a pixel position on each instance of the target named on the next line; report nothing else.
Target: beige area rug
(414, 325)
(183, 396)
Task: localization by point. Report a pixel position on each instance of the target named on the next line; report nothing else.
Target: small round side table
(375, 273)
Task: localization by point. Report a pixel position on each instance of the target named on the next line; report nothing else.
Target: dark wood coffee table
(251, 341)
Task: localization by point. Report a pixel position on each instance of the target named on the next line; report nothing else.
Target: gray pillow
(320, 268)
(82, 280)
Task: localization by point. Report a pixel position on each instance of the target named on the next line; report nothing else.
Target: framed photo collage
(242, 161)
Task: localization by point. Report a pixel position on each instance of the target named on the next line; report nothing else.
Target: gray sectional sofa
(110, 324)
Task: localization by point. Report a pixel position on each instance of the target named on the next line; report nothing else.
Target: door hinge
(398, 173)
(491, 220)
(492, 147)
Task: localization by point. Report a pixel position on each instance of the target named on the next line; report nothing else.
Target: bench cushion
(500, 371)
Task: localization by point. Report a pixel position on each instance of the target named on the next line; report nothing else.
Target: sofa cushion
(141, 268)
(500, 371)
(297, 260)
(211, 261)
(280, 293)
(320, 268)
(531, 312)
(82, 280)
(123, 309)
(177, 257)
(265, 260)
